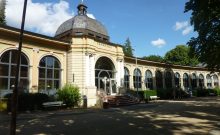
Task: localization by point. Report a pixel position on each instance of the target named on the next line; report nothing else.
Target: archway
(105, 76)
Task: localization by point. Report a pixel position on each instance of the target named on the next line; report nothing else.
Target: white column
(92, 70)
(87, 67)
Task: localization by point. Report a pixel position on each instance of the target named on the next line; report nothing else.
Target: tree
(155, 58)
(128, 51)
(2, 12)
(180, 56)
(205, 16)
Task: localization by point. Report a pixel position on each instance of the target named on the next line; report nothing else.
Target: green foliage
(217, 91)
(180, 56)
(148, 93)
(28, 101)
(3, 105)
(128, 51)
(155, 58)
(70, 95)
(205, 16)
(2, 12)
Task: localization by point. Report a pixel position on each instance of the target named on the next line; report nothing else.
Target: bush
(148, 93)
(70, 95)
(216, 90)
(134, 93)
(203, 92)
(28, 101)
(165, 93)
(3, 105)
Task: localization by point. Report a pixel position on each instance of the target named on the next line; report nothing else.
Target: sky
(153, 26)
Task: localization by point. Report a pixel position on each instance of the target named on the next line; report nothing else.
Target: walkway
(197, 116)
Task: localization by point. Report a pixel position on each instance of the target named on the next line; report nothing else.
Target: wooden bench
(53, 104)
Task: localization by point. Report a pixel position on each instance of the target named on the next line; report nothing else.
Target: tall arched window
(159, 80)
(209, 81)
(149, 79)
(201, 81)
(194, 81)
(168, 79)
(137, 78)
(49, 73)
(185, 81)
(126, 78)
(8, 70)
(177, 80)
(216, 82)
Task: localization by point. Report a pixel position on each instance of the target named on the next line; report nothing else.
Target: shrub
(28, 101)
(3, 105)
(216, 90)
(202, 92)
(134, 93)
(148, 93)
(70, 95)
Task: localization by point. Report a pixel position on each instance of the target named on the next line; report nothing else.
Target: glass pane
(23, 60)
(43, 62)
(23, 71)
(42, 72)
(13, 70)
(5, 57)
(56, 64)
(49, 84)
(49, 73)
(56, 74)
(50, 62)
(12, 83)
(41, 85)
(56, 84)
(24, 83)
(14, 56)
(3, 83)
(4, 70)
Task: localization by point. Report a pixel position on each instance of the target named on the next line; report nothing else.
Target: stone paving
(195, 116)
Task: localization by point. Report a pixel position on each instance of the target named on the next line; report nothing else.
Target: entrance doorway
(105, 76)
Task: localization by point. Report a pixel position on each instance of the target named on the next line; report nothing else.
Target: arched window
(209, 81)
(126, 78)
(8, 66)
(49, 73)
(137, 78)
(177, 80)
(159, 80)
(168, 79)
(201, 81)
(194, 81)
(149, 80)
(216, 82)
(185, 81)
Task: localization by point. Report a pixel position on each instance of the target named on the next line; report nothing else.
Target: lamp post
(136, 77)
(15, 91)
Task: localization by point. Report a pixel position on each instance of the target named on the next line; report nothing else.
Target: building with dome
(81, 53)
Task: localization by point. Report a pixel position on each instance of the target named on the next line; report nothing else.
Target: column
(87, 69)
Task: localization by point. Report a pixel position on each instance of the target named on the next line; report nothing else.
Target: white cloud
(90, 15)
(187, 30)
(158, 43)
(184, 27)
(180, 25)
(42, 18)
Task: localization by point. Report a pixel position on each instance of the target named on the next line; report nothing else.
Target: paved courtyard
(196, 116)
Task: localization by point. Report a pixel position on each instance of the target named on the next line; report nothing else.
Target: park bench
(154, 97)
(53, 104)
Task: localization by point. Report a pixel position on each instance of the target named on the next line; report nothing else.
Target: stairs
(123, 100)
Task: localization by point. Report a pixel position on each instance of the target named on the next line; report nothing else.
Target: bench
(154, 97)
(53, 104)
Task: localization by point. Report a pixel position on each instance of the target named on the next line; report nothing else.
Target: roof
(82, 22)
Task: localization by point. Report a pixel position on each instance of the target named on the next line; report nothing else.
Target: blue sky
(153, 26)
